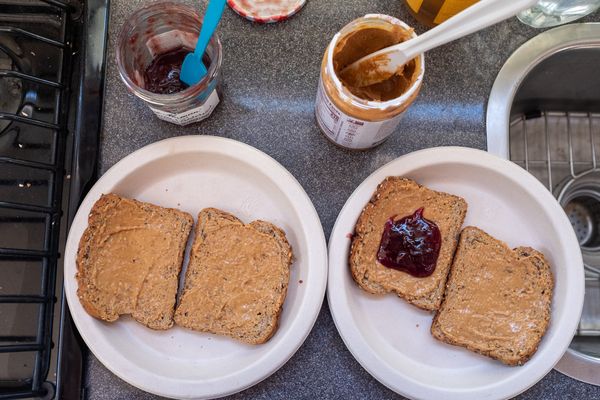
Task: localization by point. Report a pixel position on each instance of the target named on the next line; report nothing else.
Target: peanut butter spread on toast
(129, 260)
(230, 259)
(237, 278)
(497, 300)
(500, 306)
(400, 205)
(121, 268)
(397, 197)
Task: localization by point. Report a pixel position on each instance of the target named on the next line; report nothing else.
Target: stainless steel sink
(544, 114)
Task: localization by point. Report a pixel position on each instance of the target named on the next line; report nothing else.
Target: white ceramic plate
(391, 338)
(191, 173)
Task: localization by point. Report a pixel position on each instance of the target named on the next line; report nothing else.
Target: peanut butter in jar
(361, 118)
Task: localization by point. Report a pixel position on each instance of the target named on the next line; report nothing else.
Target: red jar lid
(266, 11)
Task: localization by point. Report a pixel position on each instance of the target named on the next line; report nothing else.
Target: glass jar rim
(344, 93)
(128, 27)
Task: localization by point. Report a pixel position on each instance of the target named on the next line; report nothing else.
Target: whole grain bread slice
(497, 300)
(399, 197)
(129, 260)
(237, 278)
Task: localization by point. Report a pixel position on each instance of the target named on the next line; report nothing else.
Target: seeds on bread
(398, 197)
(129, 260)
(497, 300)
(237, 278)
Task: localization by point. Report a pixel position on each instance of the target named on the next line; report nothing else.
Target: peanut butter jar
(361, 118)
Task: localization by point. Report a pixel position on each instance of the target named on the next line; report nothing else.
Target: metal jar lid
(266, 11)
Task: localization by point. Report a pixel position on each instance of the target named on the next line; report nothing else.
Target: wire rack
(560, 149)
(50, 215)
(555, 145)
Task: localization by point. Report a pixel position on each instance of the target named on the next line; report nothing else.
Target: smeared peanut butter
(499, 299)
(129, 260)
(125, 257)
(400, 204)
(236, 278)
(365, 41)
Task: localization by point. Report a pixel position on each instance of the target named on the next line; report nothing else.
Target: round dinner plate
(391, 338)
(191, 173)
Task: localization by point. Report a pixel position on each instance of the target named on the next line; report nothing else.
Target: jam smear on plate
(410, 244)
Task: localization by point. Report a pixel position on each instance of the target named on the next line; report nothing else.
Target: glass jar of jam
(361, 118)
(150, 51)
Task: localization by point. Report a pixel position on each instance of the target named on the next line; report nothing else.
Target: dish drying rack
(562, 150)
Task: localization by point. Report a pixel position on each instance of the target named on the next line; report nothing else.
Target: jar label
(348, 131)
(194, 115)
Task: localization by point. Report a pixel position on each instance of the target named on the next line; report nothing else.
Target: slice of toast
(129, 260)
(237, 278)
(399, 197)
(497, 300)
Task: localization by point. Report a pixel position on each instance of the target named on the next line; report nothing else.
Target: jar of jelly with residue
(151, 47)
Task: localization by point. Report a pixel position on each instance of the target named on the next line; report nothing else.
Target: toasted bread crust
(205, 313)
(540, 279)
(366, 271)
(100, 299)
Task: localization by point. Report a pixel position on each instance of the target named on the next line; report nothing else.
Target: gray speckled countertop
(270, 80)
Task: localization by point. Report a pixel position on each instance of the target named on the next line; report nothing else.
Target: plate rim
(359, 346)
(314, 294)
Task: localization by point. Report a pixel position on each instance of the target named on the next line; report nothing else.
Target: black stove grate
(54, 121)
